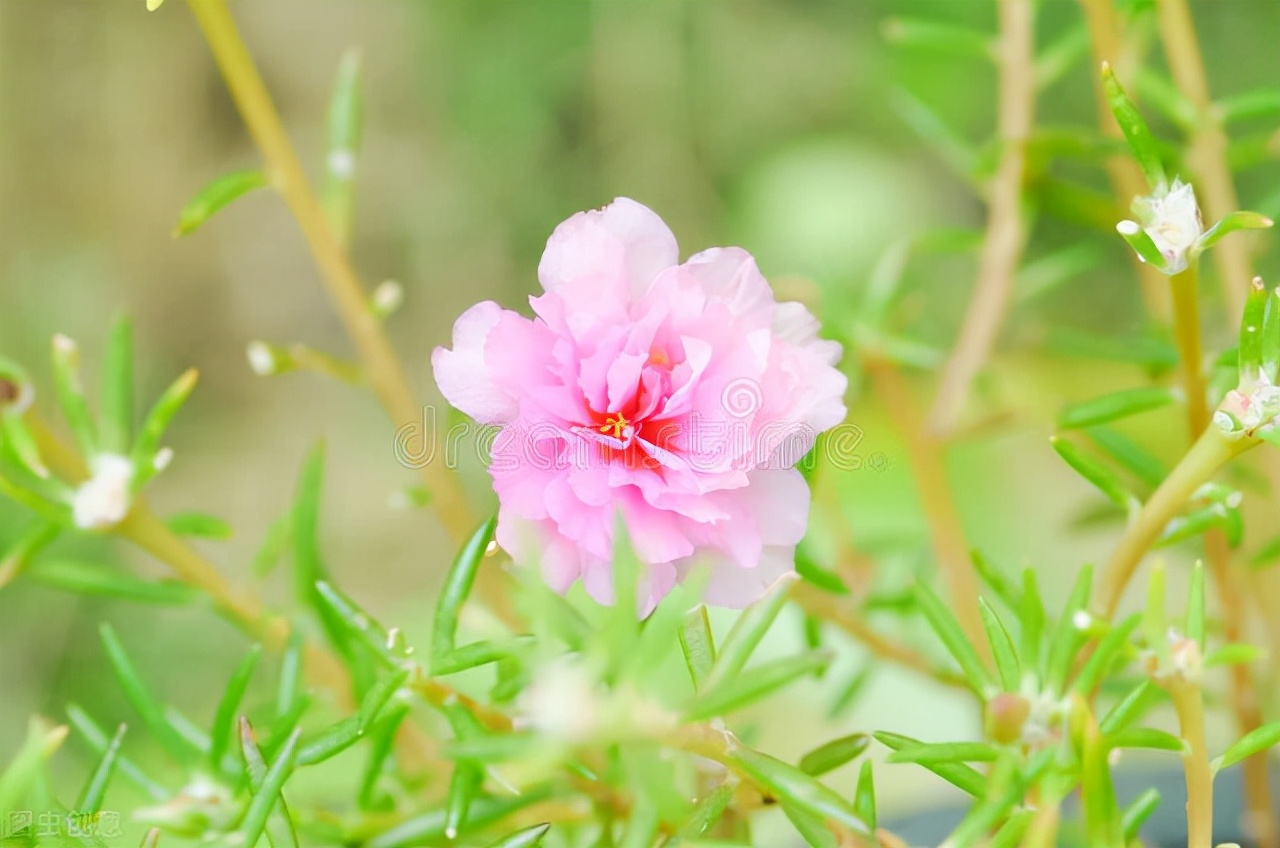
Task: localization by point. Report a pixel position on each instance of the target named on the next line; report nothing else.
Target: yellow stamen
(617, 425)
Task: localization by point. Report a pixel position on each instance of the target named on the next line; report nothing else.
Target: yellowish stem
(381, 365)
(1004, 239)
(1189, 704)
(1186, 317)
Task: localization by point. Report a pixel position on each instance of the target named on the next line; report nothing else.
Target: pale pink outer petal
(731, 276)
(462, 374)
(616, 251)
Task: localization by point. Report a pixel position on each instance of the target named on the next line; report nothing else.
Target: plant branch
(1123, 172)
(381, 365)
(1210, 452)
(1186, 322)
(1207, 149)
(1005, 236)
(1189, 704)
(928, 467)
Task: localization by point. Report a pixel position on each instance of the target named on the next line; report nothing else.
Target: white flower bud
(103, 500)
(1171, 218)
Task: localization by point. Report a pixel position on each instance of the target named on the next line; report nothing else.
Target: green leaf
(1002, 649)
(1101, 813)
(754, 685)
(1154, 622)
(812, 829)
(464, 785)
(789, 784)
(427, 828)
(709, 809)
(698, 644)
(1255, 742)
(200, 526)
(156, 423)
(381, 741)
(864, 796)
(86, 578)
(954, 639)
(100, 744)
(1129, 455)
(1165, 97)
(1247, 105)
(1103, 659)
(962, 776)
(937, 753)
(27, 546)
(996, 580)
(955, 150)
(747, 631)
(1054, 60)
(1249, 358)
(1032, 618)
(1013, 830)
(224, 721)
(341, 736)
(1006, 788)
(939, 37)
(95, 788)
(346, 615)
(1096, 473)
(833, 754)
(1137, 813)
(457, 587)
(27, 767)
(1230, 224)
(1215, 516)
(482, 653)
(1068, 636)
(1271, 337)
(1233, 653)
(117, 389)
(268, 794)
(530, 837)
(141, 699)
(289, 689)
(1131, 708)
(345, 121)
(1136, 132)
(17, 440)
(825, 580)
(848, 694)
(1196, 607)
(278, 539)
(1113, 407)
(70, 392)
(279, 827)
(1145, 737)
(1143, 244)
(215, 195)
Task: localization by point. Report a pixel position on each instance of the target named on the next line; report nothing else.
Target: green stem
(1210, 452)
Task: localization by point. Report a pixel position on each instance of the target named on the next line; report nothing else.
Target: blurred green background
(779, 126)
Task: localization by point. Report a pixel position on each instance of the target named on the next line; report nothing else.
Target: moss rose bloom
(676, 395)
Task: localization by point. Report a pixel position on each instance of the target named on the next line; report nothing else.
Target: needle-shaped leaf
(216, 194)
(1251, 333)
(268, 793)
(156, 423)
(1131, 708)
(1233, 653)
(833, 754)
(529, 837)
(95, 788)
(457, 587)
(1002, 648)
(198, 525)
(698, 644)
(345, 121)
(140, 698)
(117, 389)
(939, 37)
(745, 635)
(790, 784)
(864, 796)
(755, 684)
(959, 775)
(1230, 224)
(938, 753)
(1255, 742)
(101, 743)
(953, 638)
(1070, 632)
(1032, 618)
(1136, 132)
(224, 719)
(1137, 813)
(70, 392)
(709, 809)
(428, 828)
(1196, 607)
(381, 740)
(1115, 406)
(1145, 737)
(89, 578)
(279, 827)
(341, 736)
(1095, 473)
(1103, 659)
(1101, 813)
(1129, 455)
(997, 581)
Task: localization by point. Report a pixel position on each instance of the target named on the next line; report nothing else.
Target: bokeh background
(786, 127)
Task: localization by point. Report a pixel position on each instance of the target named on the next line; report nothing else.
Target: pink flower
(679, 396)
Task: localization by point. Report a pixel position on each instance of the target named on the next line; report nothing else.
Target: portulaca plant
(661, 432)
